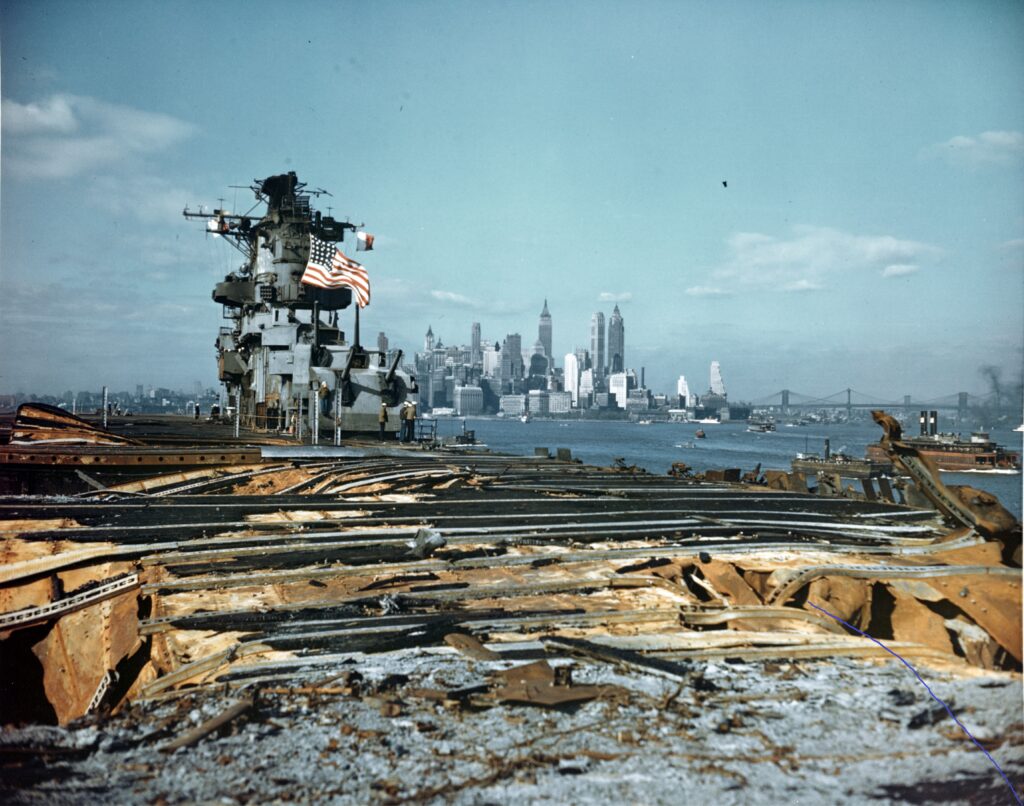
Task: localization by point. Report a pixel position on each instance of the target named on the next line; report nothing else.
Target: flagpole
(316, 326)
(357, 325)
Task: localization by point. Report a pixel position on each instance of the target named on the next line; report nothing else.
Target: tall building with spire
(616, 342)
(544, 333)
(597, 344)
(428, 340)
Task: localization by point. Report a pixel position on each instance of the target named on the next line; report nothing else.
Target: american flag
(329, 267)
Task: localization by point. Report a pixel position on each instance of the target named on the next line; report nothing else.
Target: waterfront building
(597, 345)
(638, 400)
(572, 377)
(616, 342)
(468, 400)
(537, 401)
(559, 402)
(513, 405)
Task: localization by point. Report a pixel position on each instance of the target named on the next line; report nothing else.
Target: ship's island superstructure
(277, 360)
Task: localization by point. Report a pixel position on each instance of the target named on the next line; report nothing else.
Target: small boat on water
(525, 418)
(699, 434)
(760, 426)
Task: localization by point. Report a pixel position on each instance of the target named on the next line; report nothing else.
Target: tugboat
(950, 452)
(282, 366)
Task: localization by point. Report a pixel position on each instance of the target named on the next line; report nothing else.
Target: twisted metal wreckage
(243, 576)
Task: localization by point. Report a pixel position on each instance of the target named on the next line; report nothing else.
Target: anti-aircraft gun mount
(278, 361)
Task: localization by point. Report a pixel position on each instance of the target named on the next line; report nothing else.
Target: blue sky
(871, 234)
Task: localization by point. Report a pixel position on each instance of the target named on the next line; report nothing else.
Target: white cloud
(706, 291)
(992, 147)
(455, 299)
(807, 260)
(802, 285)
(899, 269)
(52, 115)
(67, 135)
(608, 296)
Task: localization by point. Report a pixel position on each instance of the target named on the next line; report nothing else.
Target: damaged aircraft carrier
(186, 616)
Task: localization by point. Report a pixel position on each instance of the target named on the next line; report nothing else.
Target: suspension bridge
(787, 400)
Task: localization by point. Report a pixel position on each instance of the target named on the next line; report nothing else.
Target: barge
(950, 452)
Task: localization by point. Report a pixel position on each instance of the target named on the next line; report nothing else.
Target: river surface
(656, 446)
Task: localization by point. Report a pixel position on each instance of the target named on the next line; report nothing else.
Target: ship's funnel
(933, 423)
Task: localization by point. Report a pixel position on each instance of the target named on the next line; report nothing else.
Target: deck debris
(485, 584)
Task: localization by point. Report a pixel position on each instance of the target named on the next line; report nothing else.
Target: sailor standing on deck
(382, 418)
(404, 421)
(409, 422)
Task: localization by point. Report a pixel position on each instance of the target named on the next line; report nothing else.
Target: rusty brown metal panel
(913, 621)
(82, 648)
(995, 605)
(726, 579)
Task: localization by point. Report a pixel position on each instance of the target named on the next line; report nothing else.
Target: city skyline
(777, 188)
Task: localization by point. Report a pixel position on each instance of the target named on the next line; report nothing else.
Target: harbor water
(655, 447)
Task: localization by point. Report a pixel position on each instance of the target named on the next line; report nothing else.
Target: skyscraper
(683, 392)
(616, 342)
(475, 355)
(717, 384)
(428, 340)
(512, 359)
(597, 344)
(572, 377)
(544, 333)
(382, 342)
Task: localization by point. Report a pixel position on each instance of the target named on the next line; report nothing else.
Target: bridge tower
(785, 401)
(849, 405)
(906, 403)
(961, 408)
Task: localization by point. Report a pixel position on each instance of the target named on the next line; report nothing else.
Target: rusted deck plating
(260, 573)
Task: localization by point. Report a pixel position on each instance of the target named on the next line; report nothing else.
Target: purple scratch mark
(934, 697)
